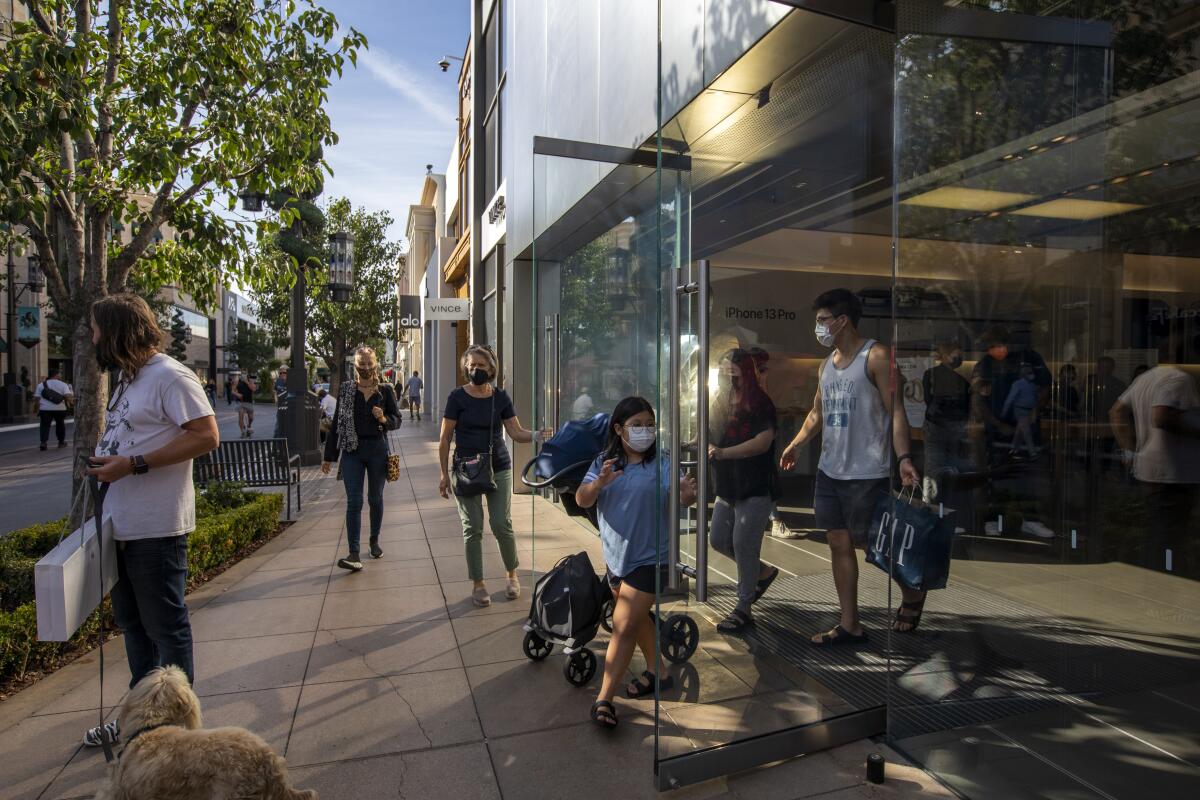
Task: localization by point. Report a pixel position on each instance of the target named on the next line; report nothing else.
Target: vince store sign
(447, 308)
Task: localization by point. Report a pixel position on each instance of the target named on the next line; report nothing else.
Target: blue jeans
(369, 460)
(148, 604)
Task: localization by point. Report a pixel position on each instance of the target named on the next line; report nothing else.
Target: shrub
(225, 523)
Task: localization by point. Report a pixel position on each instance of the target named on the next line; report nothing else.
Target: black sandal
(647, 688)
(735, 622)
(604, 714)
(763, 584)
(838, 635)
(912, 620)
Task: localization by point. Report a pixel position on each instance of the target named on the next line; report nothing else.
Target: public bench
(253, 462)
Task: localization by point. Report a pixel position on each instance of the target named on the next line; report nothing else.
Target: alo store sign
(447, 308)
(410, 311)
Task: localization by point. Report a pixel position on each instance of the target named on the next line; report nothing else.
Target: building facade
(1010, 197)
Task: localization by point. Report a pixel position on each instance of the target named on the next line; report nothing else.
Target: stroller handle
(549, 481)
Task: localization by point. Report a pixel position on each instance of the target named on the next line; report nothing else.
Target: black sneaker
(350, 562)
(376, 550)
(42, 446)
(94, 737)
(62, 444)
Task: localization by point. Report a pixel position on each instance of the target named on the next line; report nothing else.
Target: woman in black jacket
(366, 411)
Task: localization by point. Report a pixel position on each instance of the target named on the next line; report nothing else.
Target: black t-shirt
(474, 417)
(1004, 373)
(243, 392)
(947, 395)
(738, 478)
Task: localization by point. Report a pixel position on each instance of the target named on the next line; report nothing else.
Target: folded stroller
(564, 459)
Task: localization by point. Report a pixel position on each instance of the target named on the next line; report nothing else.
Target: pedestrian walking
(157, 420)
(742, 455)
(854, 412)
(246, 387)
(210, 391)
(628, 483)
(414, 385)
(229, 390)
(476, 414)
(53, 397)
(366, 410)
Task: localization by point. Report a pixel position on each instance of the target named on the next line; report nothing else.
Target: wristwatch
(139, 465)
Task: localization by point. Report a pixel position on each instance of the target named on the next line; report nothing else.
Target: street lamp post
(12, 399)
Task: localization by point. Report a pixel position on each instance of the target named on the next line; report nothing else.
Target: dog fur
(182, 761)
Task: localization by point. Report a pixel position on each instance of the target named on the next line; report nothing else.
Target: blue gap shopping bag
(911, 541)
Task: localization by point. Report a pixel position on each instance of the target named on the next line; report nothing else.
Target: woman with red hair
(741, 452)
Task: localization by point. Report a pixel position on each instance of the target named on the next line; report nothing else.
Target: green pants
(470, 511)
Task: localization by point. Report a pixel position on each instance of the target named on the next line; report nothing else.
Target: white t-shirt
(1163, 456)
(144, 415)
(57, 386)
(329, 405)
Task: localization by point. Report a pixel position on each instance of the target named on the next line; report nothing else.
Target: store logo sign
(437, 308)
(410, 311)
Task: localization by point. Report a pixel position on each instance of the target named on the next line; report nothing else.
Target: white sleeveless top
(855, 424)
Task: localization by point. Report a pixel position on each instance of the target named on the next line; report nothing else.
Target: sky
(396, 112)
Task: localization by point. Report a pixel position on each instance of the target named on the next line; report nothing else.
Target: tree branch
(39, 17)
(122, 264)
(49, 264)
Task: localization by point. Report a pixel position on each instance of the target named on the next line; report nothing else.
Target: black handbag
(51, 396)
(473, 476)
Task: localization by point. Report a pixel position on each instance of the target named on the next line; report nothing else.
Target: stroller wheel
(536, 648)
(606, 617)
(680, 636)
(580, 667)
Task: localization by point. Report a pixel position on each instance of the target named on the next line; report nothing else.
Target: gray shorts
(847, 505)
(247, 407)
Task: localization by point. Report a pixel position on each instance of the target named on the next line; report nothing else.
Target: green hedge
(227, 519)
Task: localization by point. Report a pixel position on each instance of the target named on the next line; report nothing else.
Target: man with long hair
(157, 421)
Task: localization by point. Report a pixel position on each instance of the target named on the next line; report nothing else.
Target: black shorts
(847, 505)
(642, 578)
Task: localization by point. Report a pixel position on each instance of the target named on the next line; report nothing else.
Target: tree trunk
(91, 394)
(339, 358)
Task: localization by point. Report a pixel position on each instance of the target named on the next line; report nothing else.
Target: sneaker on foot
(481, 598)
(781, 531)
(990, 528)
(350, 562)
(513, 589)
(376, 550)
(93, 737)
(1036, 529)
(62, 444)
(42, 446)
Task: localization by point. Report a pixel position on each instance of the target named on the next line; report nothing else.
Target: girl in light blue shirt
(628, 484)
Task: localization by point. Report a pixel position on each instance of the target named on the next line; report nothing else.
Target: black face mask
(478, 376)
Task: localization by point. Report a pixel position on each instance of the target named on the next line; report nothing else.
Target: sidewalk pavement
(391, 683)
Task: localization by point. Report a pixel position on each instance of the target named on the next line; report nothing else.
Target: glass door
(1042, 165)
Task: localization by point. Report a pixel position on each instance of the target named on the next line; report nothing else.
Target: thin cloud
(400, 78)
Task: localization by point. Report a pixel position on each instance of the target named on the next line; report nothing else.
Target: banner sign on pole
(29, 325)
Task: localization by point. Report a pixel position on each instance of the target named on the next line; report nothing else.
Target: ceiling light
(1057, 139)
(1145, 172)
(964, 199)
(1076, 209)
(1120, 179)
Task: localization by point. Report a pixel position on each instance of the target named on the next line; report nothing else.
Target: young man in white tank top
(854, 413)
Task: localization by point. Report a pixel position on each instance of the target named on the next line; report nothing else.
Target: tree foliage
(332, 328)
(253, 350)
(153, 114)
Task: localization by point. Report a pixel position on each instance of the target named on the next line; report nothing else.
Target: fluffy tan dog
(167, 755)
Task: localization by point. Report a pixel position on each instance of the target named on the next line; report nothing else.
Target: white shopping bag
(67, 584)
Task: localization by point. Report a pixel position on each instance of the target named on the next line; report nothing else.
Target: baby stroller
(570, 602)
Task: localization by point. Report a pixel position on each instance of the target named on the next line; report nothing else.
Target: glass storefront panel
(1045, 206)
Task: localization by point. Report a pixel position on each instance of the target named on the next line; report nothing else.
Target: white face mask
(639, 439)
(823, 335)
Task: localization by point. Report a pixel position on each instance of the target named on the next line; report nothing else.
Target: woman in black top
(476, 414)
(741, 453)
(366, 411)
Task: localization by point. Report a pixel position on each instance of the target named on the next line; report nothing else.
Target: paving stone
(251, 618)
(240, 665)
(266, 584)
(462, 772)
(370, 652)
(382, 607)
(353, 719)
(384, 574)
(292, 558)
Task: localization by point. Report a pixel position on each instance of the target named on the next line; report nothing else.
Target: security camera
(444, 64)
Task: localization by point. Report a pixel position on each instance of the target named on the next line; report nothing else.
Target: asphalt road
(35, 486)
